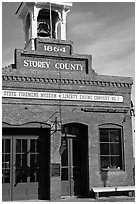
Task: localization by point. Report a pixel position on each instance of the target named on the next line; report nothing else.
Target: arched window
(111, 147)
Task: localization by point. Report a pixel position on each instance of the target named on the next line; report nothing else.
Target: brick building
(62, 122)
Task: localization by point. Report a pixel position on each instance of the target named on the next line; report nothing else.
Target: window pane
(6, 176)
(37, 160)
(7, 160)
(74, 130)
(76, 153)
(115, 148)
(3, 175)
(104, 148)
(37, 145)
(7, 145)
(77, 173)
(24, 175)
(2, 160)
(2, 145)
(64, 174)
(24, 146)
(32, 160)
(104, 135)
(64, 156)
(24, 160)
(114, 135)
(37, 175)
(105, 162)
(18, 176)
(116, 162)
(21, 175)
(18, 160)
(32, 145)
(18, 145)
(32, 176)
(34, 164)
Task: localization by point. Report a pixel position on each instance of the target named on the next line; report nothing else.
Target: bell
(43, 30)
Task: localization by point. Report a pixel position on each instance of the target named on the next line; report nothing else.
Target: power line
(50, 20)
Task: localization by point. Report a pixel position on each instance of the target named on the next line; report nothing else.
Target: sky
(103, 29)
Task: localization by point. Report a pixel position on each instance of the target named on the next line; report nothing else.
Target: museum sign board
(61, 96)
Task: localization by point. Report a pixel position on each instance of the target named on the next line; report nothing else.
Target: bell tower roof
(43, 20)
(22, 9)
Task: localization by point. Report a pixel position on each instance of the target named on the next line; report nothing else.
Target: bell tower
(44, 20)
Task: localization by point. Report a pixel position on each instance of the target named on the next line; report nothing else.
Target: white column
(63, 25)
(57, 23)
(33, 16)
(56, 30)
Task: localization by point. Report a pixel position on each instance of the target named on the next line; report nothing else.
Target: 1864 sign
(55, 48)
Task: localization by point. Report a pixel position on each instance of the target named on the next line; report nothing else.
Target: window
(111, 148)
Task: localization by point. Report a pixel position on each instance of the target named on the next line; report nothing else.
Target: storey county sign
(61, 96)
(38, 61)
(54, 64)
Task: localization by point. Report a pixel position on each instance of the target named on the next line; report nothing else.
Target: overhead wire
(50, 19)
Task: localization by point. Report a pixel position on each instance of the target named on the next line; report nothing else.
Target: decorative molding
(65, 81)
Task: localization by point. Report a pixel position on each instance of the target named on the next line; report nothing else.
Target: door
(25, 167)
(74, 160)
(20, 167)
(71, 167)
(25, 164)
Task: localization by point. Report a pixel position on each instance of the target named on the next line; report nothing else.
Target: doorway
(25, 168)
(74, 160)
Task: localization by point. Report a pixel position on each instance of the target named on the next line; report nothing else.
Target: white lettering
(43, 64)
(76, 66)
(30, 63)
(61, 66)
(47, 64)
(57, 65)
(67, 66)
(25, 63)
(39, 64)
(81, 66)
(51, 48)
(35, 63)
(72, 66)
(63, 49)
